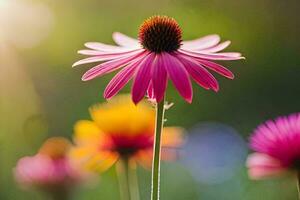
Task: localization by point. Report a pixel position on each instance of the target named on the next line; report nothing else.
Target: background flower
(120, 129)
(276, 144)
(49, 170)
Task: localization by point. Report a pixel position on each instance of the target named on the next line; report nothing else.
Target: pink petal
(92, 60)
(108, 67)
(150, 91)
(35, 170)
(230, 54)
(263, 166)
(203, 77)
(120, 80)
(218, 47)
(212, 56)
(106, 57)
(159, 78)
(179, 76)
(103, 47)
(102, 53)
(201, 43)
(142, 79)
(217, 68)
(124, 40)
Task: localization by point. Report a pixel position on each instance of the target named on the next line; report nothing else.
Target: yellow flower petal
(101, 162)
(121, 116)
(87, 133)
(91, 159)
(81, 154)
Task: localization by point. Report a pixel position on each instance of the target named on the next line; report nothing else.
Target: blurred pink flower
(277, 147)
(41, 170)
(50, 169)
(159, 54)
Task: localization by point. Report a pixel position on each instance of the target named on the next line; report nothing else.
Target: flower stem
(298, 184)
(133, 181)
(59, 195)
(157, 151)
(122, 173)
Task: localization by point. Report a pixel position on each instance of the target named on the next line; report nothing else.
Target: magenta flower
(158, 55)
(50, 170)
(42, 171)
(277, 146)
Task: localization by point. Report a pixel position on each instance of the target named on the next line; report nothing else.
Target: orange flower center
(160, 34)
(129, 145)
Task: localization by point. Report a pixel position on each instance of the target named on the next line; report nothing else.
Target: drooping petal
(120, 80)
(263, 166)
(230, 54)
(203, 77)
(179, 76)
(104, 47)
(150, 91)
(217, 68)
(94, 59)
(104, 56)
(212, 56)
(201, 43)
(89, 52)
(218, 47)
(124, 40)
(159, 78)
(142, 79)
(108, 67)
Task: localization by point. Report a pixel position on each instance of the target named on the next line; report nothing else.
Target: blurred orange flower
(121, 129)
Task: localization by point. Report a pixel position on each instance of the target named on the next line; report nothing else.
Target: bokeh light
(24, 23)
(214, 152)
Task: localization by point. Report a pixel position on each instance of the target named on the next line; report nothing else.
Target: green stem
(133, 181)
(157, 151)
(59, 195)
(298, 184)
(122, 173)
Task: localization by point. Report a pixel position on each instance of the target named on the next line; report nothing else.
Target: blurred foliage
(42, 95)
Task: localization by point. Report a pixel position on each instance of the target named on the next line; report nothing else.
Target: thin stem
(122, 173)
(298, 184)
(133, 180)
(157, 151)
(59, 195)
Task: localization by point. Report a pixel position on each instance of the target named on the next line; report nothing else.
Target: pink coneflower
(277, 146)
(157, 55)
(49, 170)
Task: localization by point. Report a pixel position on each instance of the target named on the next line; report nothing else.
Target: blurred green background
(42, 96)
